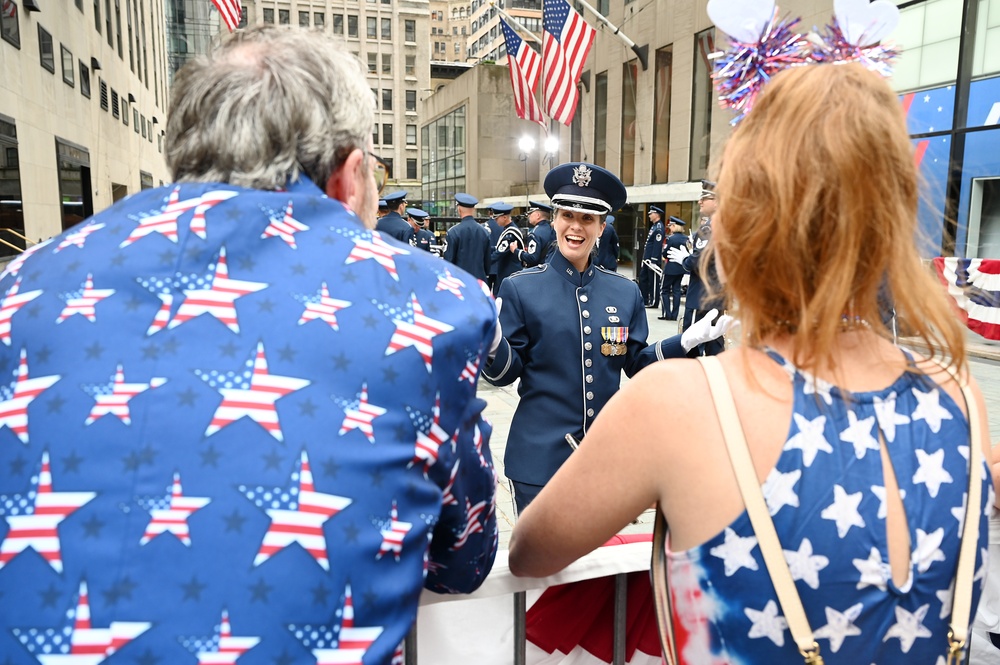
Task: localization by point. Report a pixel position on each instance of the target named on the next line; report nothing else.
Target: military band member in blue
(541, 237)
(649, 279)
(392, 223)
(567, 329)
(673, 273)
(607, 246)
(493, 228)
(467, 245)
(511, 240)
(422, 238)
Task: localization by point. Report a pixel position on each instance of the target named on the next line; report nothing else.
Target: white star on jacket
(929, 409)
(839, 625)
(928, 549)
(908, 627)
(931, 472)
(888, 418)
(736, 552)
(879, 493)
(813, 385)
(804, 565)
(859, 432)
(874, 571)
(779, 490)
(767, 623)
(810, 439)
(946, 596)
(844, 510)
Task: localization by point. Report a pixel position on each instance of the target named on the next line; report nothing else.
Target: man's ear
(343, 184)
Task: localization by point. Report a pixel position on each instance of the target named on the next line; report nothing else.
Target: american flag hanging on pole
(566, 40)
(525, 67)
(230, 12)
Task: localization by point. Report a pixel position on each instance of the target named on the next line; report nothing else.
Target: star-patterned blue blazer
(236, 422)
(827, 498)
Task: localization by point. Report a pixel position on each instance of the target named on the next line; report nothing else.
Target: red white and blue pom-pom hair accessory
(762, 43)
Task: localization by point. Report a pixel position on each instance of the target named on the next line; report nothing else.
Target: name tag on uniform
(614, 340)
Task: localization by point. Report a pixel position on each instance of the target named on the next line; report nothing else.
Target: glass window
(338, 24)
(411, 169)
(411, 135)
(387, 28)
(8, 23)
(97, 16)
(68, 66)
(135, 119)
(11, 210)
(241, 24)
(986, 59)
(319, 19)
(84, 80)
(601, 119)
(352, 26)
(387, 99)
(142, 125)
(268, 15)
(411, 100)
(107, 22)
(702, 103)
(411, 65)
(284, 16)
(373, 63)
(630, 71)
(303, 19)
(410, 30)
(118, 23)
(74, 183)
(387, 133)
(661, 114)
(387, 63)
(372, 24)
(45, 50)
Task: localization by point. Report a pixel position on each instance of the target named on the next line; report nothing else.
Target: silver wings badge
(581, 175)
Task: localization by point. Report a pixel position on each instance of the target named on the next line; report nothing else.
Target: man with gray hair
(204, 445)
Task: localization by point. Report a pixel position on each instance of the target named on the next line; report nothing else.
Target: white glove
(703, 330)
(678, 254)
(498, 334)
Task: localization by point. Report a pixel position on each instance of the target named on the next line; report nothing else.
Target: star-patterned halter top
(827, 499)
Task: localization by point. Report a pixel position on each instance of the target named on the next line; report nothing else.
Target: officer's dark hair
(804, 233)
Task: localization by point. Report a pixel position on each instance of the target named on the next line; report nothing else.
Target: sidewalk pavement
(501, 402)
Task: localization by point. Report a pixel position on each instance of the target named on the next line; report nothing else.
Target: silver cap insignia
(581, 176)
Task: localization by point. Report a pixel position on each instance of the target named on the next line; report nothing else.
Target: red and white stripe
(165, 222)
(325, 310)
(86, 303)
(525, 67)
(230, 648)
(229, 10)
(362, 417)
(15, 264)
(563, 62)
(117, 402)
(418, 334)
(428, 443)
(162, 317)
(477, 440)
(472, 525)
(976, 291)
(378, 250)
(90, 646)
(448, 497)
(174, 519)
(285, 228)
(219, 300)
(393, 534)
(470, 371)
(77, 238)
(14, 411)
(451, 284)
(12, 302)
(303, 525)
(257, 402)
(353, 641)
(206, 202)
(39, 530)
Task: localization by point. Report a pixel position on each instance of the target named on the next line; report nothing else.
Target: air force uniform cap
(656, 209)
(395, 198)
(535, 205)
(467, 200)
(610, 219)
(677, 220)
(501, 208)
(585, 188)
(382, 205)
(707, 189)
(417, 213)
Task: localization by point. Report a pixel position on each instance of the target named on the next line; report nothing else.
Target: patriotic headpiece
(762, 44)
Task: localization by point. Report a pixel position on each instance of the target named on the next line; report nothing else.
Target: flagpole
(641, 51)
(516, 23)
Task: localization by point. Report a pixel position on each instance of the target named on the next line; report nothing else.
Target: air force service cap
(535, 205)
(677, 220)
(585, 188)
(417, 214)
(656, 209)
(395, 198)
(610, 219)
(501, 208)
(382, 205)
(466, 200)
(707, 189)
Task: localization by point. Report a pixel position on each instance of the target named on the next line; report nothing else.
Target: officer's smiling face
(577, 233)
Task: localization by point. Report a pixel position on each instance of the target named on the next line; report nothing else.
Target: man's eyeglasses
(381, 171)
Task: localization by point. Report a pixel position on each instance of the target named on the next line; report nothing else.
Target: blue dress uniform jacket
(392, 224)
(607, 249)
(674, 240)
(696, 302)
(555, 321)
(206, 450)
(423, 239)
(541, 245)
(468, 247)
(493, 228)
(506, 261)
(654, 243)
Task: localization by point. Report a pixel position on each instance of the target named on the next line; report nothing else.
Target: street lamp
(525, 144)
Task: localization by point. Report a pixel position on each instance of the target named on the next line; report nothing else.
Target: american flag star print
(477, 440)
(33, 518)
(113, 397)
(77, 642)
(298, 513)
(430, 436)
(413, 329)
(393, 532)
(77, 238)
(359, 414)
(448, 497)
(321, 307)
(345, 644)
(472, 523)
(369, 245)
(214, 293)
(250, 392)
(84, 301)
(471, 370)
(15, 265)
(17, 396)
(208, 200)
(13, 301)
(222, 648)
(283, 225)
(450, 283)
(170, 513)
(164, 220)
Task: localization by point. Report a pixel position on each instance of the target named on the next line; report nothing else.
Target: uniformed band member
(541, 237)
(422, 238)
(697, 301)
(382, 209)
(467, 245)
(607, 246)
(392, 223)
(510, 240)
(649, 280)
(673, 273)
(567, 330)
